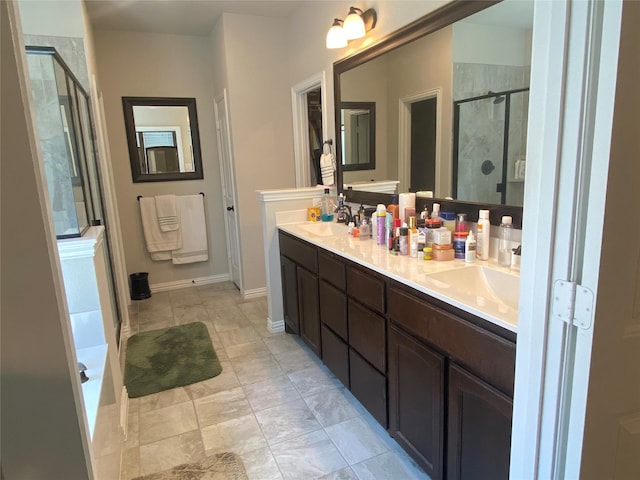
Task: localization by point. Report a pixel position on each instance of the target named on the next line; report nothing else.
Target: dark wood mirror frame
(138, 176)
(371, 164)
(442, 17)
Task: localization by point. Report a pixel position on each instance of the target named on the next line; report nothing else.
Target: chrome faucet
(343, 214)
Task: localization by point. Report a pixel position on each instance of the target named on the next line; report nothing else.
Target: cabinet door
(416, 401)
(479, 427)
(290, 295)
(309, 309)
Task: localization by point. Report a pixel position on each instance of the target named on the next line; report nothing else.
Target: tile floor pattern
(275, 404)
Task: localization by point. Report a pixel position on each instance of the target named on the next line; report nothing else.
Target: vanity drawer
(369, 386)
(335, 355)
(367, 335)
(366, 286)
(300, 252)
(333, 309)
(487, 355)
(332, 269)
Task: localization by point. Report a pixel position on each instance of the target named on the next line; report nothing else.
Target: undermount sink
(480, 286)
(324, 229)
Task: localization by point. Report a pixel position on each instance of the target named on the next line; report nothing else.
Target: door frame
(224, 98)
(404, 135)
(301, 124)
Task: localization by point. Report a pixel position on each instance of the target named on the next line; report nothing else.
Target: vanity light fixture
(335, 36)
(356, 25)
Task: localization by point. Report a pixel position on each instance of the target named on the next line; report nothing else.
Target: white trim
(290, 193)
(275, 326)
(404, 135)
(81, 247)
(254, 293)
(300, 122)
(194, 282)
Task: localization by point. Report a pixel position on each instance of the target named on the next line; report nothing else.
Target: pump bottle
(484, 235)
(504, 250)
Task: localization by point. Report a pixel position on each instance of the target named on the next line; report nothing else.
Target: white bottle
(436, 211)
(484, 235)
(470, 248)
(504, 250)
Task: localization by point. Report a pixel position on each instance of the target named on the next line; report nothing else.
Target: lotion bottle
(484, 235)
(470, 248)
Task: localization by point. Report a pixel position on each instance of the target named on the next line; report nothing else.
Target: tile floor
(275, 404)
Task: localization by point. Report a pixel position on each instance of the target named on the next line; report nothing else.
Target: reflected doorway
(423, 145)
(314, 120)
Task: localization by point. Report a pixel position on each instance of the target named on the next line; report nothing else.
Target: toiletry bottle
(484, 235)
(361, 212)
(404, 241)
(460, 244)
(504, 249)
(327, 207)
(364, 228)
(470, 248)
(381, 213)
(461, 222)
(449, 221)
(341, 212)
(425, 213)
(413, 238)
(436, 211)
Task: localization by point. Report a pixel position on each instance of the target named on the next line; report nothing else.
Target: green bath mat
(171, 357)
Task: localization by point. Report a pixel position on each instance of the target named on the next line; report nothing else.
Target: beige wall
(137, 64)
(256, 53)
(42, 428)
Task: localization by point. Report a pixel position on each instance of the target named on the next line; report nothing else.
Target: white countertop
(488, 304)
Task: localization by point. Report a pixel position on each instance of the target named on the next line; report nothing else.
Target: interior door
(225, 153)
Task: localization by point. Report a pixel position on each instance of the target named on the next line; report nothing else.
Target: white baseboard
(275, 327)
(163, 287)
(255, 293)
(124, 412)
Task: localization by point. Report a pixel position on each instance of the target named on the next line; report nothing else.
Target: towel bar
(140, 196)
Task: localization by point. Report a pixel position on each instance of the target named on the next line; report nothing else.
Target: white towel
(167, 213)
(327, 167)
(194, 230)
(156, 239)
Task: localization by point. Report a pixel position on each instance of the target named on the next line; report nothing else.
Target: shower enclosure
(489, 147)
(67, 143)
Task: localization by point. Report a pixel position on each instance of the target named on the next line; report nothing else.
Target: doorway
(309, 104)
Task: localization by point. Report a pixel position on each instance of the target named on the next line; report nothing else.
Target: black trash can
(139, 285)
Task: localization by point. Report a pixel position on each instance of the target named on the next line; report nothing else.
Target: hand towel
(167, 212)
(156, 239)
(327, 167)
(194, 230)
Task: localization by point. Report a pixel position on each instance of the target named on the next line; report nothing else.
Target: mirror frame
(138, 176)
(371, 164)
(439, 18)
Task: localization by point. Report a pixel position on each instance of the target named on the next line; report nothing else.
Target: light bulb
(335, 35)
(354, 25)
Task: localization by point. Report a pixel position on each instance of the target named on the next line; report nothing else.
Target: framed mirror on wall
(418, 77)
(163, 138)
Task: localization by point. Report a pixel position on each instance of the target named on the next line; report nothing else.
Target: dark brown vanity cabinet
(299, 268)
(448, 374)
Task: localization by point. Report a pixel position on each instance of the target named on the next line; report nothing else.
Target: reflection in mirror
(163, 139)
(358, 127)
(473, 55)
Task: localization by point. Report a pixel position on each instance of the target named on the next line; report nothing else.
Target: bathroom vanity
(427, 347)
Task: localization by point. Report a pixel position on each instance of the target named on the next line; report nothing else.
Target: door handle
(231, 209)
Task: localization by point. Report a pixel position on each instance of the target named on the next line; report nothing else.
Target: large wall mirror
(451, 92)
(163, 138)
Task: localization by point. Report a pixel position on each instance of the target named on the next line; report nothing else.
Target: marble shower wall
(482, 130)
